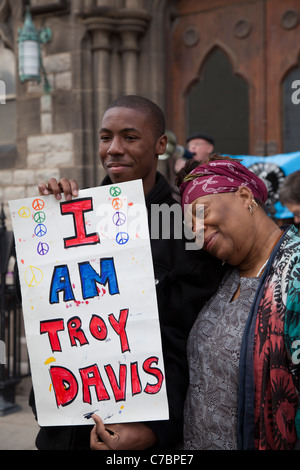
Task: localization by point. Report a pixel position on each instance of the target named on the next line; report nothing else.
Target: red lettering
(75, 332)
(91, 377)
(119, 390)
(119, 327)
(98, 328)
(147, 366)
(136, 386)
(64, 384)
(77, 208)
(52, 327)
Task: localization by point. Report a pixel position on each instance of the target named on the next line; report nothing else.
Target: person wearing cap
(201, 146)
(244, 347)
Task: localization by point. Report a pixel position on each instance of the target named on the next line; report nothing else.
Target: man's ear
(161, 145)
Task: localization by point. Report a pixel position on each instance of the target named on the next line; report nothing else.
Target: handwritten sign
(89, 306)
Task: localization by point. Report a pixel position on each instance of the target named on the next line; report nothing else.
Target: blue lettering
(61, 283)
(90, 278)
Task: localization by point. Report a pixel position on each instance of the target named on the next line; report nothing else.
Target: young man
(132, 135)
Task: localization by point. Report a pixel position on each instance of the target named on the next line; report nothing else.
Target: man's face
(295, 209)
(128, 149)
(201, 148)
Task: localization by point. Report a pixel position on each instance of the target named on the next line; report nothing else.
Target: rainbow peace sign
(38, 204)
(122, 238)
(117, 203)
(40, 230)
(24, 212)
(33, 276)
(119, 219)
(115, 191)
(42, 248)
(39, 217)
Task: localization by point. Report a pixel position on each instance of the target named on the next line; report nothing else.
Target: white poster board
(89, 306)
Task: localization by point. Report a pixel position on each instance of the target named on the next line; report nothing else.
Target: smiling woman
(240, 349)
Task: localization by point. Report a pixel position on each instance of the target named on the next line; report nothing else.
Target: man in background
(289, 195)
(201, 146)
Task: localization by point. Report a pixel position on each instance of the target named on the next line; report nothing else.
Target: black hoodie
(185, 280)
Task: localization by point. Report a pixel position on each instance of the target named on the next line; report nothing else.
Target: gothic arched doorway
(261, 42)
(217, 105)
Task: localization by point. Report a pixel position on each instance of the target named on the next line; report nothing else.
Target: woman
(243, 360)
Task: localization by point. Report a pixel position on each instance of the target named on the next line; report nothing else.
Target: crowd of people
(229, 312)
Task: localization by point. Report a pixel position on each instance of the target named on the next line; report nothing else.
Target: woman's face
(227, 226)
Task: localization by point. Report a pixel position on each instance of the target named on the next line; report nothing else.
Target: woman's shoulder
(289, 248)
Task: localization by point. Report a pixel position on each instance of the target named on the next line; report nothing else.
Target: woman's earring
(250, 209)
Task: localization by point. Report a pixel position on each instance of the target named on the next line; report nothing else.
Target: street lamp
(30, 60)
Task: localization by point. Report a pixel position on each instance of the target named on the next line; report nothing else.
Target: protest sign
(89, 306)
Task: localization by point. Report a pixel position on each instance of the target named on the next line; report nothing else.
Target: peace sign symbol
(42, 248)
(117, 203)
(38, 204)
(33, 276)
(119, 219)
(39, 217)
(115, 191)
(122, 238)
(24, 212)
(40, 230)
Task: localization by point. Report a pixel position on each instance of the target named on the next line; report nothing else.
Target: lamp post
(30, 59)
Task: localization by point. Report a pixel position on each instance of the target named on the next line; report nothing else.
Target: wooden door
(261, 41)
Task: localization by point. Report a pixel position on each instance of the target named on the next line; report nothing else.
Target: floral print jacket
(269, 410)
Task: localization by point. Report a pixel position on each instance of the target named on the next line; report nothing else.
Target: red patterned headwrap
(220, 176)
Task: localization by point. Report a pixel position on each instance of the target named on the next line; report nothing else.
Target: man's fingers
(107, 436)
(43, 189)
(68, 187)
(95, 442)
(74, 187)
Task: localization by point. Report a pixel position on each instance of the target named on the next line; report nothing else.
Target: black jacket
(185, 279)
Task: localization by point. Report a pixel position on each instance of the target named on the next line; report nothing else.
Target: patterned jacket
(269, 410)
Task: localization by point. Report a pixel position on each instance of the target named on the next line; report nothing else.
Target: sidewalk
(18, 430)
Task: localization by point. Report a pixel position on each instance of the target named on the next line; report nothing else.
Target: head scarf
(220, 176)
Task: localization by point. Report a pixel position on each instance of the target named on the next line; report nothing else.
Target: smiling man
(127, 148)
(132, 136)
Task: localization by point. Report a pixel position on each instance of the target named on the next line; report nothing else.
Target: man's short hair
(290, 189)
(149, 108)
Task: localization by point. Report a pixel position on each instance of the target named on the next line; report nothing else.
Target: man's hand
(124, 436)
(68, 187)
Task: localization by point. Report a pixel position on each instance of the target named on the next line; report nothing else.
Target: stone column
(129, 50)
(101, 29)
(130, 30)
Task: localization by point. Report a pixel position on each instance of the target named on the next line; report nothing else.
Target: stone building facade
(222, 67)
(99, 50)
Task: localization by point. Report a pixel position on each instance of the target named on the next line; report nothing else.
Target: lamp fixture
(30, 60)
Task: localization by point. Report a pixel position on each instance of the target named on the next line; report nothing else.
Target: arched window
(7, 97)
(218, 106)
(291, 111)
